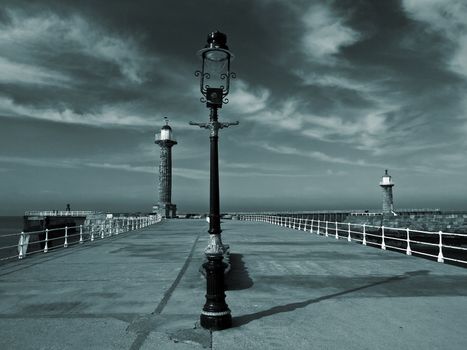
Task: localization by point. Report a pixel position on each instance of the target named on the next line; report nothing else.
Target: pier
(142, 289)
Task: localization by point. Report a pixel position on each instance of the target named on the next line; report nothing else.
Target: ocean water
(9, 225)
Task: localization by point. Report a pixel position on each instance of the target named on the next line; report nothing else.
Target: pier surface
(287, 289)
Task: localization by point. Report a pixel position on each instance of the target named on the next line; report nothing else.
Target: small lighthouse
(165, 140)
(387, 184)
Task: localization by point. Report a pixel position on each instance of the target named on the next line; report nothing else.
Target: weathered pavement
(287, 289)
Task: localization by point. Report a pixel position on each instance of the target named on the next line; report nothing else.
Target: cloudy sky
(328, 95)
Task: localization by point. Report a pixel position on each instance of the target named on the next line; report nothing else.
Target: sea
(9, 225)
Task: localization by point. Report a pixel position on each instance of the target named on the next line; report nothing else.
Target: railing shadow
(245, 319)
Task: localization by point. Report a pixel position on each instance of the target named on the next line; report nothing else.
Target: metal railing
(32, 242)
(59, 213)
(158, 137)
(441, 246)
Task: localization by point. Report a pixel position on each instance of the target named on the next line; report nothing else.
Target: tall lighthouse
(387, 184)
(166, 141)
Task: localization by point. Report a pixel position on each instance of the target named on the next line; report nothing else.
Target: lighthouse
(387, 184)
(166, 141)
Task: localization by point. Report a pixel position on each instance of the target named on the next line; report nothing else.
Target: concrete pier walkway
(287, 289)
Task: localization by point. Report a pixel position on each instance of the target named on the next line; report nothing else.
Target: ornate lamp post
(215, 77)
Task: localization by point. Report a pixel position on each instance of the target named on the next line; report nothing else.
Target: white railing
(442, 246)
(157, 137)
(18, 245)
(59, 213)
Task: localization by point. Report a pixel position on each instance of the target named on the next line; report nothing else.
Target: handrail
(410, 241)
(55, 238)
(59, 212)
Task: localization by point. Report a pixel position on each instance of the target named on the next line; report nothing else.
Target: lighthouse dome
(386, 180)
(166, 132)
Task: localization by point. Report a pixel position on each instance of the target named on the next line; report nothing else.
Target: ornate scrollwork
(225, 100)
(202, 99)
(198, 73)
(233, 75)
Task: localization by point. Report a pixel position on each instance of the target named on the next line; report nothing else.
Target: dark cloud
(328, 95)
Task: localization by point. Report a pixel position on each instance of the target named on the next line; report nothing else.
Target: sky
(329, 94)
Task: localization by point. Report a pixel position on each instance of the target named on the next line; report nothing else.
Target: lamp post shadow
(245, 319)
(238, 277)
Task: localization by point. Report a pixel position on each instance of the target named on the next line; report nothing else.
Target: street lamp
(215, 77)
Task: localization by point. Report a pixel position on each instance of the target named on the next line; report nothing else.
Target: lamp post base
(216, 323)
(215, 314)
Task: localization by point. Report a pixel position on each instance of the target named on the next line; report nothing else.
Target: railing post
(65, 244)
(326, 232)
(349, 238)
(92, 233)
(440, 254)
(46, 246)
(409, 251)
(81, 234)
(102, 226)
(304, 226)
(364, 234)
(317, 230)
(21, 245)
(337, 231)
(312, 224)
(383, 243)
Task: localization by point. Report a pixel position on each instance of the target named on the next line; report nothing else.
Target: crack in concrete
(142, 335)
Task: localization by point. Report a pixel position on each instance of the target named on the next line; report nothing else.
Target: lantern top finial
(217, 40)
(166, 126)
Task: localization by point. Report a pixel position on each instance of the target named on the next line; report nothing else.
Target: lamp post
(215, 77)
